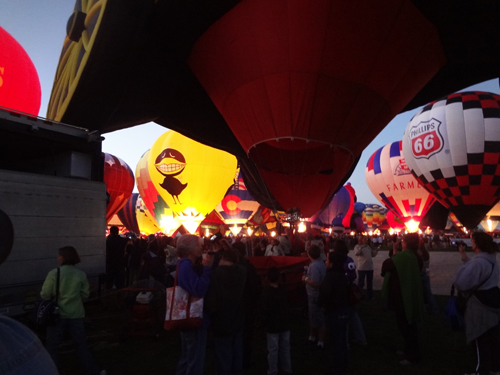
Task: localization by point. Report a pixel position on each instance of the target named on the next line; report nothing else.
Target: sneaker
(103, 372)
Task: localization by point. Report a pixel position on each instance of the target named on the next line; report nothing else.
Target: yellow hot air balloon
(156, 205)
(146, 222)
(192, 178)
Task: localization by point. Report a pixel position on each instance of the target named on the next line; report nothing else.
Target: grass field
(444, 351)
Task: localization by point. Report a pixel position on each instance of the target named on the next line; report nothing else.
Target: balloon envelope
(238, 205)
(127, 214)
(294, 78)
(191, 177)
(156, 205)
(119, 181)
(338, 208)
(19, 83)
(452, 146)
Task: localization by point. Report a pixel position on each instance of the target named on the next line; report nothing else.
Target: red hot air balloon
(19, 83)
(295, 80)
(452, 146)
(346, 222)
(119, 181)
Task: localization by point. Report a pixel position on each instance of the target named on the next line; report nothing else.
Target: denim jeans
(278, 346)
(369, 282)
(193, 348)
(356, 330)
(337, 322)
(76, 329)
(432, 306)
(229, 354)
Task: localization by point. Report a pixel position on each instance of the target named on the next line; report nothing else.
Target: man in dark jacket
(251, 296)
(224, 302)
(115, 259)
(274, 315)
(404, 293)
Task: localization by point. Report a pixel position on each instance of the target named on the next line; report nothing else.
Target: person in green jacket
(73, 289)
(404, 293)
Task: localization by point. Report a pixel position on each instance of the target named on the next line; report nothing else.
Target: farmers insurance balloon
(452, 146)
(191, 177)
(392, 183)
(305, 85)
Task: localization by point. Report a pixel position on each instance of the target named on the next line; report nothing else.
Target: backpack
(350, 269)
(47, 311)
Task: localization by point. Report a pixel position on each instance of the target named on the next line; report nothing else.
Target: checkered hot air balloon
(392, 183)
(452, 147)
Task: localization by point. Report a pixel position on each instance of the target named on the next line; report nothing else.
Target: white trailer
(52, 191)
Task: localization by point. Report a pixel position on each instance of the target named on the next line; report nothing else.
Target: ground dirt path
(443, 267)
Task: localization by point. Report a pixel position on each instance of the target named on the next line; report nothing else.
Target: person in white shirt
(364, 254)
(274, 249)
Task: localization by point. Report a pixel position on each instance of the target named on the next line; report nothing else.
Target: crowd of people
(237, 299)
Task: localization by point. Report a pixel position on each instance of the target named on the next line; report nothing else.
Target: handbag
(47, 311)
(454, 316)
(462, 298)
(184, 311)
(355, 294)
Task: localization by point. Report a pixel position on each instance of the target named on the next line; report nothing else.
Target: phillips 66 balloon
(392, 183)
(191, 177)
(452, 146)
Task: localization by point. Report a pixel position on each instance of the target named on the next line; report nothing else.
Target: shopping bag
(184, 311)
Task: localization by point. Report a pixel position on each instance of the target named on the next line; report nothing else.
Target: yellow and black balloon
(192, 178)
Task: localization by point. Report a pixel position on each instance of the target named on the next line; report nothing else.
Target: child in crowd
(275, 317)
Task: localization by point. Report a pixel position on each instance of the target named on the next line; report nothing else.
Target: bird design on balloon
(171, 163)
